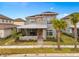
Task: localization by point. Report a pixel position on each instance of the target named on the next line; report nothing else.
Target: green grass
(7, 51)
(7, 41)
(65, 40)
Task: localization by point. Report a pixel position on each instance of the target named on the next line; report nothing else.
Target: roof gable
(19, 20)
(5, 17)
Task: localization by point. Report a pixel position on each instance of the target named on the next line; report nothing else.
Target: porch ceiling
(32, 26)
(73, 26)
(76, 25)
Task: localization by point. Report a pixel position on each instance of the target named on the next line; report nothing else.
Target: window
(32, 20)
(48, 22)
(49, 32)
(10, 21)
(6, 20)
(2, 21)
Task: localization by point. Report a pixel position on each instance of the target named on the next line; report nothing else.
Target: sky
(24, 9)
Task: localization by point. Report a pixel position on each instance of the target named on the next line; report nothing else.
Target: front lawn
(65, 40)
(8, 51)
(7, 41)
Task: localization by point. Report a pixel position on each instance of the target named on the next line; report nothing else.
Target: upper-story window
(32, 20)
(2, 21)
(39, 20)
(10, 21)
(49, 18)
(7, 21)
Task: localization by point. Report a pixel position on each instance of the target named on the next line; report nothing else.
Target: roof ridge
(3, 16)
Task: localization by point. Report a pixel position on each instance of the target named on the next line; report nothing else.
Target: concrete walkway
(40, 46)
(42, 55)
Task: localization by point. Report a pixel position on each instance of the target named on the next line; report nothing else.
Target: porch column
(44, 33)
(54, 33)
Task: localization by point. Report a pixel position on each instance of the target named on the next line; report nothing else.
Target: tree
(59, 25)
(14, 33)
(74, 17)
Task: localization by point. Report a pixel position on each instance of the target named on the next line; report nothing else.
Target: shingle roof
(5, 17)
(44, 13)
(66, 17)
(50, 12)
(19, 20)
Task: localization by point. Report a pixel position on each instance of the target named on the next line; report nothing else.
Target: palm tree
(74, 17)
(14, 33)
(59, 25)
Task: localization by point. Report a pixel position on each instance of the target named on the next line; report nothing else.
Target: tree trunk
(39, 37)
(58, 38)
(75, 36)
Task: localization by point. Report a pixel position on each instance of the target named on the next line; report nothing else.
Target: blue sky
(24, 9)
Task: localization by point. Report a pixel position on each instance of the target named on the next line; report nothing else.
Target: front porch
(32, 34)
(73, 32)
(31, 31)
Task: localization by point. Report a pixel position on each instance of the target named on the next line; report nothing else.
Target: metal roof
(32, 26)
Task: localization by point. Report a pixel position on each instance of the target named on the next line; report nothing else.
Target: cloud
(62, 15)
(51, 8)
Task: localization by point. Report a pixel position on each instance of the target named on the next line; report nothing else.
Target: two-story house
(70, 27)
(5, 19)
(38, 22)
(6, 26)
(69, 24)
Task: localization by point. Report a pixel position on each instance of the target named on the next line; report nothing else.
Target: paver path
(39, 46)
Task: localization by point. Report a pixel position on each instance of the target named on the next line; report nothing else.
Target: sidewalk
(40, 46)
(42, 55)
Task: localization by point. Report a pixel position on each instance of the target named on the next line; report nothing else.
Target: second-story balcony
(36, 22)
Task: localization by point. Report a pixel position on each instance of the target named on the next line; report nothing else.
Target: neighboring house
(69, 25)
(19, 21)
(6, 29)
(70, 28)
(5, 19)
(38, 22)
(6, 26)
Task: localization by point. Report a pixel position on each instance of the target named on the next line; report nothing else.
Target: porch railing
(28, 38)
